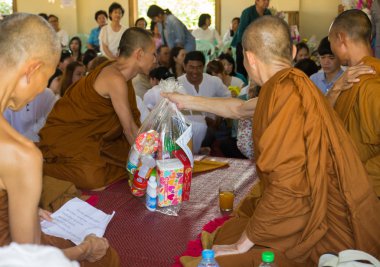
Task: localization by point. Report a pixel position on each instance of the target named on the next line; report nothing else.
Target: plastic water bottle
(208, 259)
(267, 258)
(151, 194)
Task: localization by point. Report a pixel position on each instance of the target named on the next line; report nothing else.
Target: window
(188, 11)
(7, 7)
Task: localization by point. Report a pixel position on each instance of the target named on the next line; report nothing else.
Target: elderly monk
(359, 107)
(316, 195)
(25, 71)
(87, 136)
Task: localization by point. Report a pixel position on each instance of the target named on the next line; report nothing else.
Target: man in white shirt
(197, 83)
(30, 119)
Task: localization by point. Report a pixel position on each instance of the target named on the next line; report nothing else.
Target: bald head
(26, 36)
(269, 39)
(134, 38)
(355, 24)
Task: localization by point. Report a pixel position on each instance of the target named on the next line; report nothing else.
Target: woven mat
(145, 238)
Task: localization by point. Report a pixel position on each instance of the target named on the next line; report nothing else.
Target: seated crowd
(315, 141)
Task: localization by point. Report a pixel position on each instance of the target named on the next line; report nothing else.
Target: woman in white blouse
(110, 34)
(205, 33)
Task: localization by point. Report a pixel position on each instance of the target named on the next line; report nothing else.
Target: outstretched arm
(225, 107)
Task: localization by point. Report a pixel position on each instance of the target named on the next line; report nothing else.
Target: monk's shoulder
(16, 150)
(108, 79)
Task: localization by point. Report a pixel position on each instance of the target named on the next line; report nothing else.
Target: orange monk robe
(111, 259)
(359, 108)
(82, 140)
(317, 197)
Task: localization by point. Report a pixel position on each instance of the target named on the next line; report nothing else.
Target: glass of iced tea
(226, 198)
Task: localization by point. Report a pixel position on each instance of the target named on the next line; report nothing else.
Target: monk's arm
(346, 81)
(233, 108)
(120, 102)
(23, 181)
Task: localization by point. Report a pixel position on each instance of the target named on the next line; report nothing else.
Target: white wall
(315, 15)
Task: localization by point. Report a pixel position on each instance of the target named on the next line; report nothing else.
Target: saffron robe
(82, 140)
(111, 258)
(316, 197)
(359, 108)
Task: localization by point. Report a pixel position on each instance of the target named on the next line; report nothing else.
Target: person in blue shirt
(331, 69)
(250, 14)
(173, 31)
(93, 40)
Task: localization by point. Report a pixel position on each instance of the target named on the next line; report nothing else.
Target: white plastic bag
(348, 258)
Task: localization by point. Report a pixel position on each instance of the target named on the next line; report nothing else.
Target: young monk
(25, 73)
(316, 195)
(359, 107)
(87, 135)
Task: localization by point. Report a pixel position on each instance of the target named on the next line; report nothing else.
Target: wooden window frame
(133, 9)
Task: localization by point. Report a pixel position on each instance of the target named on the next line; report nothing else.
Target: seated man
(30, 119)
(359, 107)
(163, 56)
(25, 72)
(197, 83)
(93, 39)
(316, 195)
(88, 134)
(331, 70)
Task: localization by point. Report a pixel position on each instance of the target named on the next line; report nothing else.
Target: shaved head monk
(359, 107)
(25, 72)
(316, 196)
(87, 136)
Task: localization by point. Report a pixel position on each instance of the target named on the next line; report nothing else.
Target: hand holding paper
(75, 220)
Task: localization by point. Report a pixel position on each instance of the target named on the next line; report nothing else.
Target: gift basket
(161, 159)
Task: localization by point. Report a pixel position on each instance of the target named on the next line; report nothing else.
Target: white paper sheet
(75, 220)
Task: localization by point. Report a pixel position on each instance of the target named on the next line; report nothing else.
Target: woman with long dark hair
(177, 57)
(173, 31)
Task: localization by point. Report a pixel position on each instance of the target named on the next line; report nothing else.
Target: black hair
(160, 47)
(231, 31)
(154, 11)
(143, 19)
(302, 45)
(230, 60)
(76, 38)
(324, 47)
(100, 12)
(152, 25)
(44, 15)
(89, 55)
(113, 7)
(308, 66)
(160, 73)
(195, 56)
(65, 53)
(202, 19)
(174, 52)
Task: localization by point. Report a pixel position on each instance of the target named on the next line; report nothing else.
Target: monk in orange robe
(359, 107)
(87, 136)
(25, 71)
(316, 196)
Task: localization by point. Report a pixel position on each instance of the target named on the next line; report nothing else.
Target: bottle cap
(267, 256)
(208, 254)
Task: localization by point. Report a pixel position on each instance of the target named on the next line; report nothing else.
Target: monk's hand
(95, 248)
(240, 247)
(351, 76)
(176, 98)
(44, 215)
